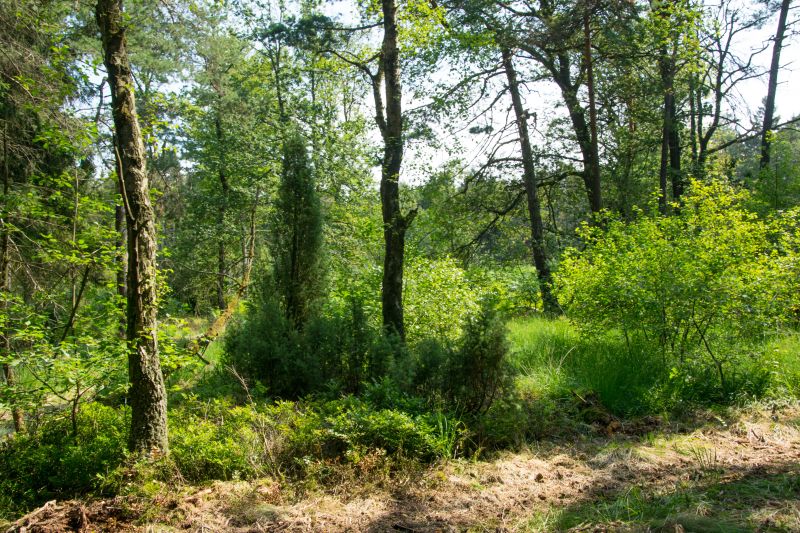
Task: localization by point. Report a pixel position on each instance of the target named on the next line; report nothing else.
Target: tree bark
(593, 187)
(772, 87)
(147, 395)
(395, 223)
(223, 206)
(674, 143)
(591, 165)
(5, 286)
(549, 301)
(670, 168)
(663, 169)
(121, 245)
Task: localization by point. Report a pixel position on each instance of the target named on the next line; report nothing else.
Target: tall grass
(552, 353)
(782, 356)
(630, 377)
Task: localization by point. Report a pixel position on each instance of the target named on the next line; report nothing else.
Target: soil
(505, 493)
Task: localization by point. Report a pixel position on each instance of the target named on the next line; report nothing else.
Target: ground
(717, 473)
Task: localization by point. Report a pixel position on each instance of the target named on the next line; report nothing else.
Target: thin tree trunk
(594, 147)
(197, 346)
(670, 169)
(559, 66)
(394, 223)
(674, 142)
(5, 285)
(772, 87)
(663, 168)
(121, 245)
(591, 162)
(693, 122)
(223, 206)
(531, 189)
(147, 395)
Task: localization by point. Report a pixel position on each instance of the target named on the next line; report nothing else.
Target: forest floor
(716, 473)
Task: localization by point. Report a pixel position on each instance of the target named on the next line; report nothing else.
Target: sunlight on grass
(551, 358)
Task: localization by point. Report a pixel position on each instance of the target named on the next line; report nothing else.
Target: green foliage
(478, 371)
(341, 351)
(54, 463)
(695, 289)
(437, 298)
(215, 440)
(297, 234)
(335, 351)
(340, 428)
(564, 379)
(465, 376)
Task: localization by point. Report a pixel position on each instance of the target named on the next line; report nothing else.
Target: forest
(399, 265)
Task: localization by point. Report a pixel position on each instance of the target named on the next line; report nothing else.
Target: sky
(543, 99)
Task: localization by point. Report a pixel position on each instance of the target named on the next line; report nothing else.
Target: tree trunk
(594, 148)
(198, 345)
(674, 142)
(531, 190)
(394, 223)
(560, 69)
(147, 394)
(589, 152)
(223, 206)
(5, 285)
(663, 169)
(121, 246)
(693, 125)
(670, 169)
(772, 87)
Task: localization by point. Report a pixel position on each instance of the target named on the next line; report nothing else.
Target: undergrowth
(561, 384)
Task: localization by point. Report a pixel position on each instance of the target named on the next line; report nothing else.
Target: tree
(772, 86)
(556, 36)
(147, 394)
(531, 188)
(389, 117)
(298, 233)
(387, 96)
(669, 15)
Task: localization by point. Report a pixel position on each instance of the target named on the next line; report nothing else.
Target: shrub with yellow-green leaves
(701, 288)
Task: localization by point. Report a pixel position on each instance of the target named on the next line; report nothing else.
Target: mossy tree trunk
(148, 398)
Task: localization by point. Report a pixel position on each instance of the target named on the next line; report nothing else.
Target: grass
(709, 504)
(629, 377)
(782, 354)
(552, 355)
(562, 383)
(680, 482)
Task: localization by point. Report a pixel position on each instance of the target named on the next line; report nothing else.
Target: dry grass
(739, 475)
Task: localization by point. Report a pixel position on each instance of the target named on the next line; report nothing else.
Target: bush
(216, 444)
(438, 297)
(478, 369)
(687, 294)
(331, 352)
(52, 463)
(340, 352)
(468, 375)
